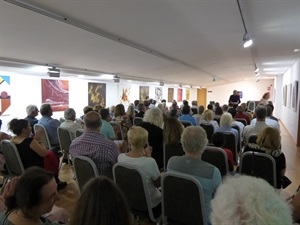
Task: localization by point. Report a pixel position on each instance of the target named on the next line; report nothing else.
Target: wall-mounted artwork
(158, 94)
(55, 93)
(170, 94)
(5, 91)
(289, 102)
(144, 93)
(179, 95)
(97, 94)
(124, 91)
(187, 94)
(240, 93)
(284, 95)
(295, 95)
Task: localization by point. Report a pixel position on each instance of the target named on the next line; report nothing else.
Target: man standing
(94, 145)
(32, 112)
(234, 99)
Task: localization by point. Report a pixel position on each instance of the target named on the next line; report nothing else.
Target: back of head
(87, 109)
(201, 109)
(30, 109)
(172, 131)
(119, 110)
(194, 139)
(70, 114)
(45, 109)
(218, 111)
(97, 108)
(194, 103)
(217, 104)
(92, 121)
(210, 106)
(130, 111)
(173, 113)
(141, 107)
(17, 126)
(218, 139)
(154, 116)
(185, 102)
(245, 200)
(270, 109)
(28, 190)
(244, 106)
(261, 112)
(239, 109)
(104, 114)
(136, 102)
(225, 108)
(232, 111)
(226, 120)
(101, 202)
(208, 115)
(137, 137)
(186, 109)
(269, 138)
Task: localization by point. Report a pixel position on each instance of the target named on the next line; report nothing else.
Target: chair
(218, 120)
(231, 143)
(182, 200)
(45, 141)
(239, 146)
(259, 165)
(118, 130)
(137, 120)
(186, 123)
(252, 138)
(217, 157)
(243, 121)
(65, 140)
(251, 105)
(209, 129)
(13, 161)
(135, 189)
(171, 150)
(85, 169)
(79, 132)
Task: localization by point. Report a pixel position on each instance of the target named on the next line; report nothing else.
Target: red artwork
(56, 93)
(179, 95)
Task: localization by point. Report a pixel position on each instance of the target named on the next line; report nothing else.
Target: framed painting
(187, 94)
(295, 100)
(144, 93)
(124, 91)
(179, 95)
(5, 91)
(158, 94)
(170, 94)
(97, 94)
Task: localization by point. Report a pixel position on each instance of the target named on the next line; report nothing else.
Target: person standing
(234, 99)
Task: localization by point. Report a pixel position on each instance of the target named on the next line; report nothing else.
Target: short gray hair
(154, 116)
(194, 139)
(30, 109)
(226, 119)
(69, 113)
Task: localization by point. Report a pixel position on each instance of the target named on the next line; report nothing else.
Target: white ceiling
(182, 41)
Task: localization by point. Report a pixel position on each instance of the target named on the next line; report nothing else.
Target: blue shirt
(51, 126)
(187, 117)
(107, 130)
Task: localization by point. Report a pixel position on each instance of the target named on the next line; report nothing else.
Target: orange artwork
(4, 94)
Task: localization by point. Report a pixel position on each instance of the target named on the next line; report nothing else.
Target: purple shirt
(101, 150)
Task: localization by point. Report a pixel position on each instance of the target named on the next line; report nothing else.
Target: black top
(234, 98)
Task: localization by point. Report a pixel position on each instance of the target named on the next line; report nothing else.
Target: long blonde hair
(269, 138)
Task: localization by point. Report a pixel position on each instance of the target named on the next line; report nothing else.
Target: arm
(296, 206)
(36, 145)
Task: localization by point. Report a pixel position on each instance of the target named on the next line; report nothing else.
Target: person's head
(146, 104)
(239, 109)
(32, 110)
(70, 114)
(154, 116)
(46, 110)
(246, 200)
(234, 92)
(185, 102)
(172, 131)
(97, 108)
(219, 111)
(244, 106)
(186, 109)
(101, 202)
(217, 104)
(194, 140)
(136, 102)
(20, 127)
(160, 106)
(266, 95)
(137, 137)
(208, 115)
(105, 114)
(92, 121)
(194, 103)
(119, 110)
(210, 107)
(232, 111)
(164, 101)
(261, 112)
(173, 113)
(218, 139)
(269, 138)
(225, 108)
(226, 120)
(201, 109)
(130, 111)
(112, 109)
(270, 109)
(35, 193)
(87, 109)
(141, 107)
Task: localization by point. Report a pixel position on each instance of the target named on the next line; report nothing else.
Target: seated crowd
(113, 135)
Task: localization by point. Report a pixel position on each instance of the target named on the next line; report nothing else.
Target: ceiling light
(54, 72)
(81, 76)
(161, 83)
(106, 76)
(296, 50)
(116, 79)
(247, 40)
(129, 81)
(214, 79)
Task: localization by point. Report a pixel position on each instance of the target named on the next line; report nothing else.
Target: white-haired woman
(225, 126)
(153, 122)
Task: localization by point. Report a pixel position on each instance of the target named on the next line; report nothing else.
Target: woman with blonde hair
(122, 119)
(268, 142)
(207, 117)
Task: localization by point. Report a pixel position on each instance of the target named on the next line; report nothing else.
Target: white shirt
(269, 122)
(253, 129)
(71, 126)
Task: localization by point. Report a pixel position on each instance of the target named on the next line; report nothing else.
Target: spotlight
(116, 79)
(53, 72)
(247, 40)
(161, 83)
(214, 79)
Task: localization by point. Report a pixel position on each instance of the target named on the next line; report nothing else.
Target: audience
(198, 116)
(69, 123)
(218, 113)
(194, 141)
(32, 111)
(270, 109)
(245, 200)
(186, 115)
(241, 115)
(130, 114)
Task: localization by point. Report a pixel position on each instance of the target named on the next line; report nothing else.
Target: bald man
(94, 145)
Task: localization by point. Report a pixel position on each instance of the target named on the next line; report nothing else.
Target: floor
(70, 194)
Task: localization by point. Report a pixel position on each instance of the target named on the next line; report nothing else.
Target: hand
(148, 151)
(9, 189)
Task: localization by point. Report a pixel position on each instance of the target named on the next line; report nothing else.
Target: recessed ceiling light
(106, 76)
(42, 69)
(296, 50)
(81, 76)
(130, 81)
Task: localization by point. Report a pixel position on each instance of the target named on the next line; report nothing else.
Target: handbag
(285, 181)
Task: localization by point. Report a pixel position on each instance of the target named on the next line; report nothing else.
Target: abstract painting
(158, 94)
(295, 95)
(179, 95)
(170, 94)
(55, 93)
(144, 93)
(4, 94)
(124, 91)
(187, 94)
(97, 94)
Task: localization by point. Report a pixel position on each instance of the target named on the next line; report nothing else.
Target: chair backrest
(251, 105)
(259, 165)
(239, 146)
(45, 140)
(137, 120)
(243, 121)
(217, 157)
(12, 158)
(209, 129)
(182, 200)
(118, 130)
(134, 187)
(171, 150)
(218, 120)
(231, 144)
(65, 139)
(252, 138)
(186, 123)
(85, 169)
(79, 132)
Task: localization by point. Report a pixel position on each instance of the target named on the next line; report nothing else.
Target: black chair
(65, 140)
(218, 120)
(186, 123)
(217, 157)
(209, 129)
(243, 121)
(182, 200)
(231, 144)
(79, 132)
(137, 120)
(135, 189)
(252, 138)
(172, 150)
(259, 165)
(239, 146)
